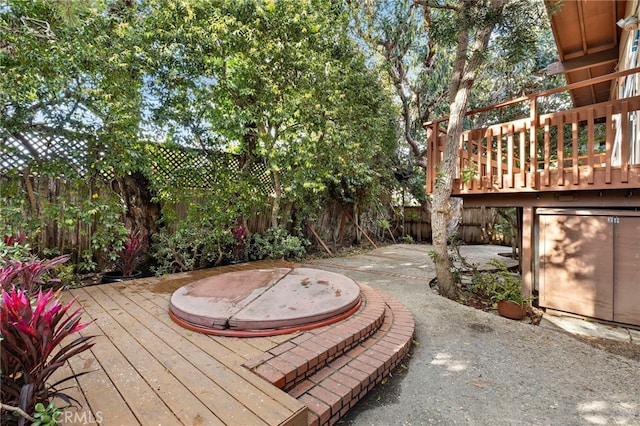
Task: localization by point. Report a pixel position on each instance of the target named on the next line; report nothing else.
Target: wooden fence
(477, 226)
(334, 226)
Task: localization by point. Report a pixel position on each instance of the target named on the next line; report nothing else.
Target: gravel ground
(469, 367)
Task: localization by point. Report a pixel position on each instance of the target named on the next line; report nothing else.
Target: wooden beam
(582, 62)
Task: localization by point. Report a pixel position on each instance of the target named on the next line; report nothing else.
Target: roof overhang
(587, 39)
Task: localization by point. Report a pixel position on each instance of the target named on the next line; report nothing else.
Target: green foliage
(14, 247)
(83, 206)
(276, 243)
(281, 84)
(408, 239)
(14, 207)
(416, 184)
(46, 416)
(187, 248)
(72, 68)
(433, 255)
(507, 226)
(469, 173)
(196, 242)
(64, 276)
(499, 285)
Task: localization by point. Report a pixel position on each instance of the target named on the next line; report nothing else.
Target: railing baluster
(488, 166)
(510, 159)
(608, 145)
(533, 157)
(590, 146)
(574, 145)
(533, 145)
(479, 162)
(547, 152)
(624, 152)
(523, 163)
(469, 159)
(560, 150)
(499, 158)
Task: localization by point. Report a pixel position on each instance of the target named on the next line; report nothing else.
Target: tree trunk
(142, 213)
(469, 58)
(277, 189)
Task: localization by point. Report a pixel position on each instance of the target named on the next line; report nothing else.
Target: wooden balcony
(594, 148)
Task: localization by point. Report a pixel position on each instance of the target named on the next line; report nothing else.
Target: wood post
(317, 237)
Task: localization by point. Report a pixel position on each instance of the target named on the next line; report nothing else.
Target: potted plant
(511, 303)
(127, 257)
(503, 288)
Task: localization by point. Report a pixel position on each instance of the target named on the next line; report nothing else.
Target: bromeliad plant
(33, 333)
(131, 253)
(29, 275)
(239, 242)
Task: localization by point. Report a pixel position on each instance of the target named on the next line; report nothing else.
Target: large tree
(70, 86)
(435, 53)
(276, 82)
(255, 85)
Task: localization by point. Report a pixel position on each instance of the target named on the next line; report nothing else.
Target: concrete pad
(587, 328)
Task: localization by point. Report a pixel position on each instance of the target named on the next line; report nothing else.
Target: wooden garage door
(576, 264)
(627, 270)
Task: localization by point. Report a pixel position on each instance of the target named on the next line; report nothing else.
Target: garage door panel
(576, 264)
(627, 271)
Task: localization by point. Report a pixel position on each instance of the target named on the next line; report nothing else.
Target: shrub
(14, 247)
(189, 247)
(499, 285)
(31, 331)
(276, 243)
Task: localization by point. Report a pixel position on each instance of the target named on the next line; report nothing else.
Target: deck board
(213, 372)
(136, 377)
(145, 369)
(167, 371)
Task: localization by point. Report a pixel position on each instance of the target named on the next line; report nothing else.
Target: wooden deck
(147, 370)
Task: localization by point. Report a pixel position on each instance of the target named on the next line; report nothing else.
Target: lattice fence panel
(18, 151)
(176, 166)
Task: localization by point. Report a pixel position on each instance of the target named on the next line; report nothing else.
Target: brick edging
(292, 361)
(330, 393)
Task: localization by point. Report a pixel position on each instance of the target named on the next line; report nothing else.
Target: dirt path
(476, 368)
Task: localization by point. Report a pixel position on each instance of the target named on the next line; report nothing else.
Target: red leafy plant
(131, 254)
(13, 239)
(239, 241)
(31, 330)
(29, 275)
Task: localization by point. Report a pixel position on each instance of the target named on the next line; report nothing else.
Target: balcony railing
(594, 147)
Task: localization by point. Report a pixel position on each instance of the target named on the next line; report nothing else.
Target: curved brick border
(331, 368)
